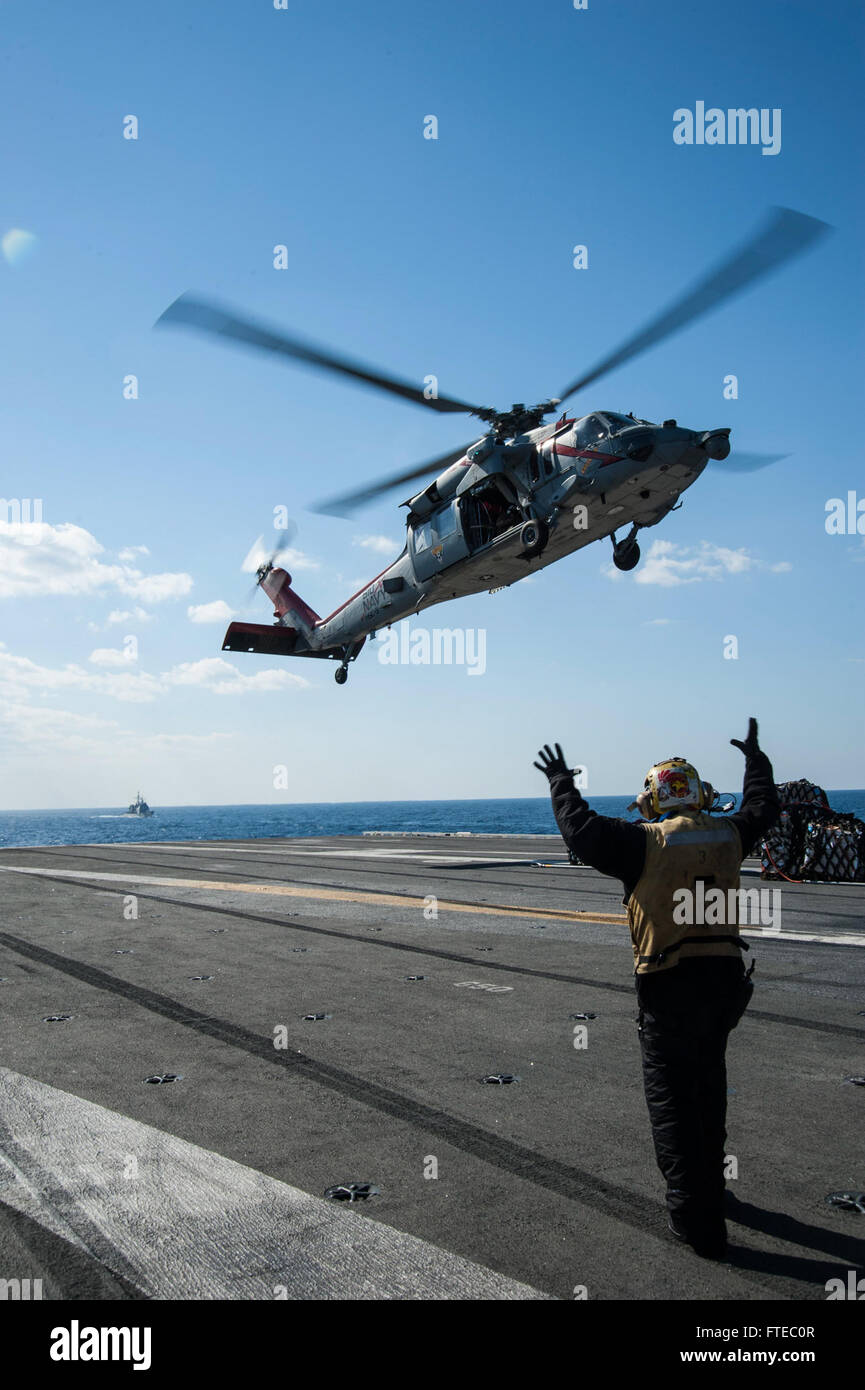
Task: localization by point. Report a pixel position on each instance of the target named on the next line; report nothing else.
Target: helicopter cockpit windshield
(589, 430)
(594, 428)
(618, 423)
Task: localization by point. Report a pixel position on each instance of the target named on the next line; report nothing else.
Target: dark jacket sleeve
(760, 806)
(614, 847)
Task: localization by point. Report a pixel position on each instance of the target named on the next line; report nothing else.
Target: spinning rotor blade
(350, 501)
(261, 553)
(209, 318)
(746, 463)
(785, 235)
(256, 557)
(259, 558)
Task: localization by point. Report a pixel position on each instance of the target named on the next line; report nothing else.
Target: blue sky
(304, 127)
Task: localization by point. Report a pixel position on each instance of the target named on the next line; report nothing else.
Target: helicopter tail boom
(276, 583)
(296, 621)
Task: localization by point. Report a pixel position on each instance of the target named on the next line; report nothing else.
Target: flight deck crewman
(692, 987)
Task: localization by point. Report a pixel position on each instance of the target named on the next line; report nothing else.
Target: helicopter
(524, 494)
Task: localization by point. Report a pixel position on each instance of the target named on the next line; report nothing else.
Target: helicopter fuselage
(506, 509)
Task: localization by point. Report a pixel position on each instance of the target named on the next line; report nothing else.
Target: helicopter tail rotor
(261, 559)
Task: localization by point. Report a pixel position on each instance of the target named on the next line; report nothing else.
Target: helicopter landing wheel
(626, 555)
(341, 676)
(533, 538)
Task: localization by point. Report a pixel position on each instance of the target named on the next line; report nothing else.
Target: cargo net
(811, 841)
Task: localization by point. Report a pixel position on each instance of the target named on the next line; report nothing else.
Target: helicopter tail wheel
(341, 676)
(533, 538)
(626, 555)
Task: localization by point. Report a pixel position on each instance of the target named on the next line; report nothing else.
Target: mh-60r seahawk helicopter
(522, 496)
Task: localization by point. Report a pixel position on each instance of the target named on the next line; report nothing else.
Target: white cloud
(111, 656)
(41, 729)
(52, 728)
(220, 677)
(216, 612)
(177, 742)
(19, 674)
(657, 622)
(669, 564)
(128, 615)
(39, 560)
(296, 560)
(381, 545)
(129, 552)
(154, 588)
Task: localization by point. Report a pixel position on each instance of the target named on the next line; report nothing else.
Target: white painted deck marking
(485, 985)
(191, 1224)
(413, 855)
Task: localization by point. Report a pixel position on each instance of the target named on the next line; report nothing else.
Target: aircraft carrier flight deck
(200, 1040)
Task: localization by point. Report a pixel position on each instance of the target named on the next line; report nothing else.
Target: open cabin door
(487, 511)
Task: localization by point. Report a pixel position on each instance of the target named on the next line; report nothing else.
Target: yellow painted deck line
(290, 890)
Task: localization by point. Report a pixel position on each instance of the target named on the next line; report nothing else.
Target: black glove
(750, 747)
(552, 764)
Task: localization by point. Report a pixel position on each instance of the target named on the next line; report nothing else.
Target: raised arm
(611, 846)
(760, 807)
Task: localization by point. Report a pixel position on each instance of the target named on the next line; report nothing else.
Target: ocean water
(107, 825)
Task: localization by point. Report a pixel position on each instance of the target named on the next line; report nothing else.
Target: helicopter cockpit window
(422, 537)
(619, 422)
(590, 430)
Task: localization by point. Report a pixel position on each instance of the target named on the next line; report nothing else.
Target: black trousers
(686, 1016)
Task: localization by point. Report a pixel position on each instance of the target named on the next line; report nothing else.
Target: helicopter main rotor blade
(746, 463)
(211, 319)
(350, 502)
(785, 235)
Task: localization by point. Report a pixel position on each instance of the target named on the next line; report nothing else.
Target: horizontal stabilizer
(259, 637)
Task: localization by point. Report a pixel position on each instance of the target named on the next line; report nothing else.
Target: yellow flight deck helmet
(673, 785)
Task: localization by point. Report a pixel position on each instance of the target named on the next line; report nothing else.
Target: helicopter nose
(679, 454)
(640, 444)
(671, 442)
(716, 443)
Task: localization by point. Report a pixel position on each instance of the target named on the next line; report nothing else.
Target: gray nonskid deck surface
(543, 1187)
